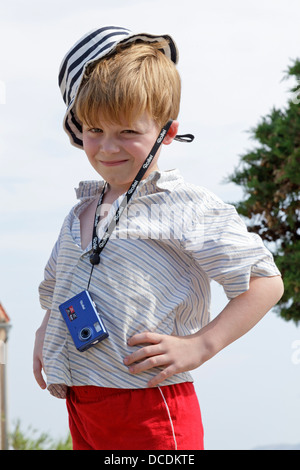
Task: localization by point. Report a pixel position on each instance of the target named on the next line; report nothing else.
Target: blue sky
(233, 56)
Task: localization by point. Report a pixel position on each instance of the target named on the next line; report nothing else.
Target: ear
(171, 133)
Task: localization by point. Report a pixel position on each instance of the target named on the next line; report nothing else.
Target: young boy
(150, 280)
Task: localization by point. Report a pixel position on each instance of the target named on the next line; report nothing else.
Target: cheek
(90, 147)
(139, 149)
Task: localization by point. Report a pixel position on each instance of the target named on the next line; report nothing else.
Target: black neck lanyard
(97, 245)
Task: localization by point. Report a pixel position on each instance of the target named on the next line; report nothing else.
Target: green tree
(270, 178)
(31, 439)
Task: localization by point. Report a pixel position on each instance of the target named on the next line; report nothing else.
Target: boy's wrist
(205, 345)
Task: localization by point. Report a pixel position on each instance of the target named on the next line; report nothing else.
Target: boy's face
(117, 151)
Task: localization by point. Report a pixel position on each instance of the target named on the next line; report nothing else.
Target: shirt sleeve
(219, 242)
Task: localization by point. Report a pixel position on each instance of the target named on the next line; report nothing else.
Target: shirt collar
(162, 180)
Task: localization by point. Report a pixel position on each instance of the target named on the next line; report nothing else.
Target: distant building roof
(4, 318)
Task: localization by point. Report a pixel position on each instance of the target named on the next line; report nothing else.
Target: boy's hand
(38, 358)
(174, 353)
(182, 353)
(58, 390)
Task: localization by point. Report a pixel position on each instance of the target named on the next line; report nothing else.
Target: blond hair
(135, 79)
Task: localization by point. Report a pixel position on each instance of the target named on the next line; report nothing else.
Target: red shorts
(161, 418)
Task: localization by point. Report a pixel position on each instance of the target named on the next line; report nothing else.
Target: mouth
(113, 163)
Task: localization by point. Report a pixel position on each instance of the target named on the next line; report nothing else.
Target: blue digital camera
(83, 321)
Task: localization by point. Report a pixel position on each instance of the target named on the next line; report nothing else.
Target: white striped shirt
(154, 275)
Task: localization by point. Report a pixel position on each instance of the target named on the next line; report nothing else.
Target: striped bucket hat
(92, 47)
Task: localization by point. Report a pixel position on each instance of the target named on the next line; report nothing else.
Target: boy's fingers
(146, 337)
(163, 375)
(37, 372)
(147, 351)
(58, 390)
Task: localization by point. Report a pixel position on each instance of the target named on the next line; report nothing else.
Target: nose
(109, 145)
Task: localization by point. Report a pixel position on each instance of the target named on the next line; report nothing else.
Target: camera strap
(97, 245)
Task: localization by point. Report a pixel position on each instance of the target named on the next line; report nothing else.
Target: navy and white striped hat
(92, 47)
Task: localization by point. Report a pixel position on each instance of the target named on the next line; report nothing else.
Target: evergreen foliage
(270, 178)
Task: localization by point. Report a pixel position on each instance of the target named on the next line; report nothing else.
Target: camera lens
(85, 333)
